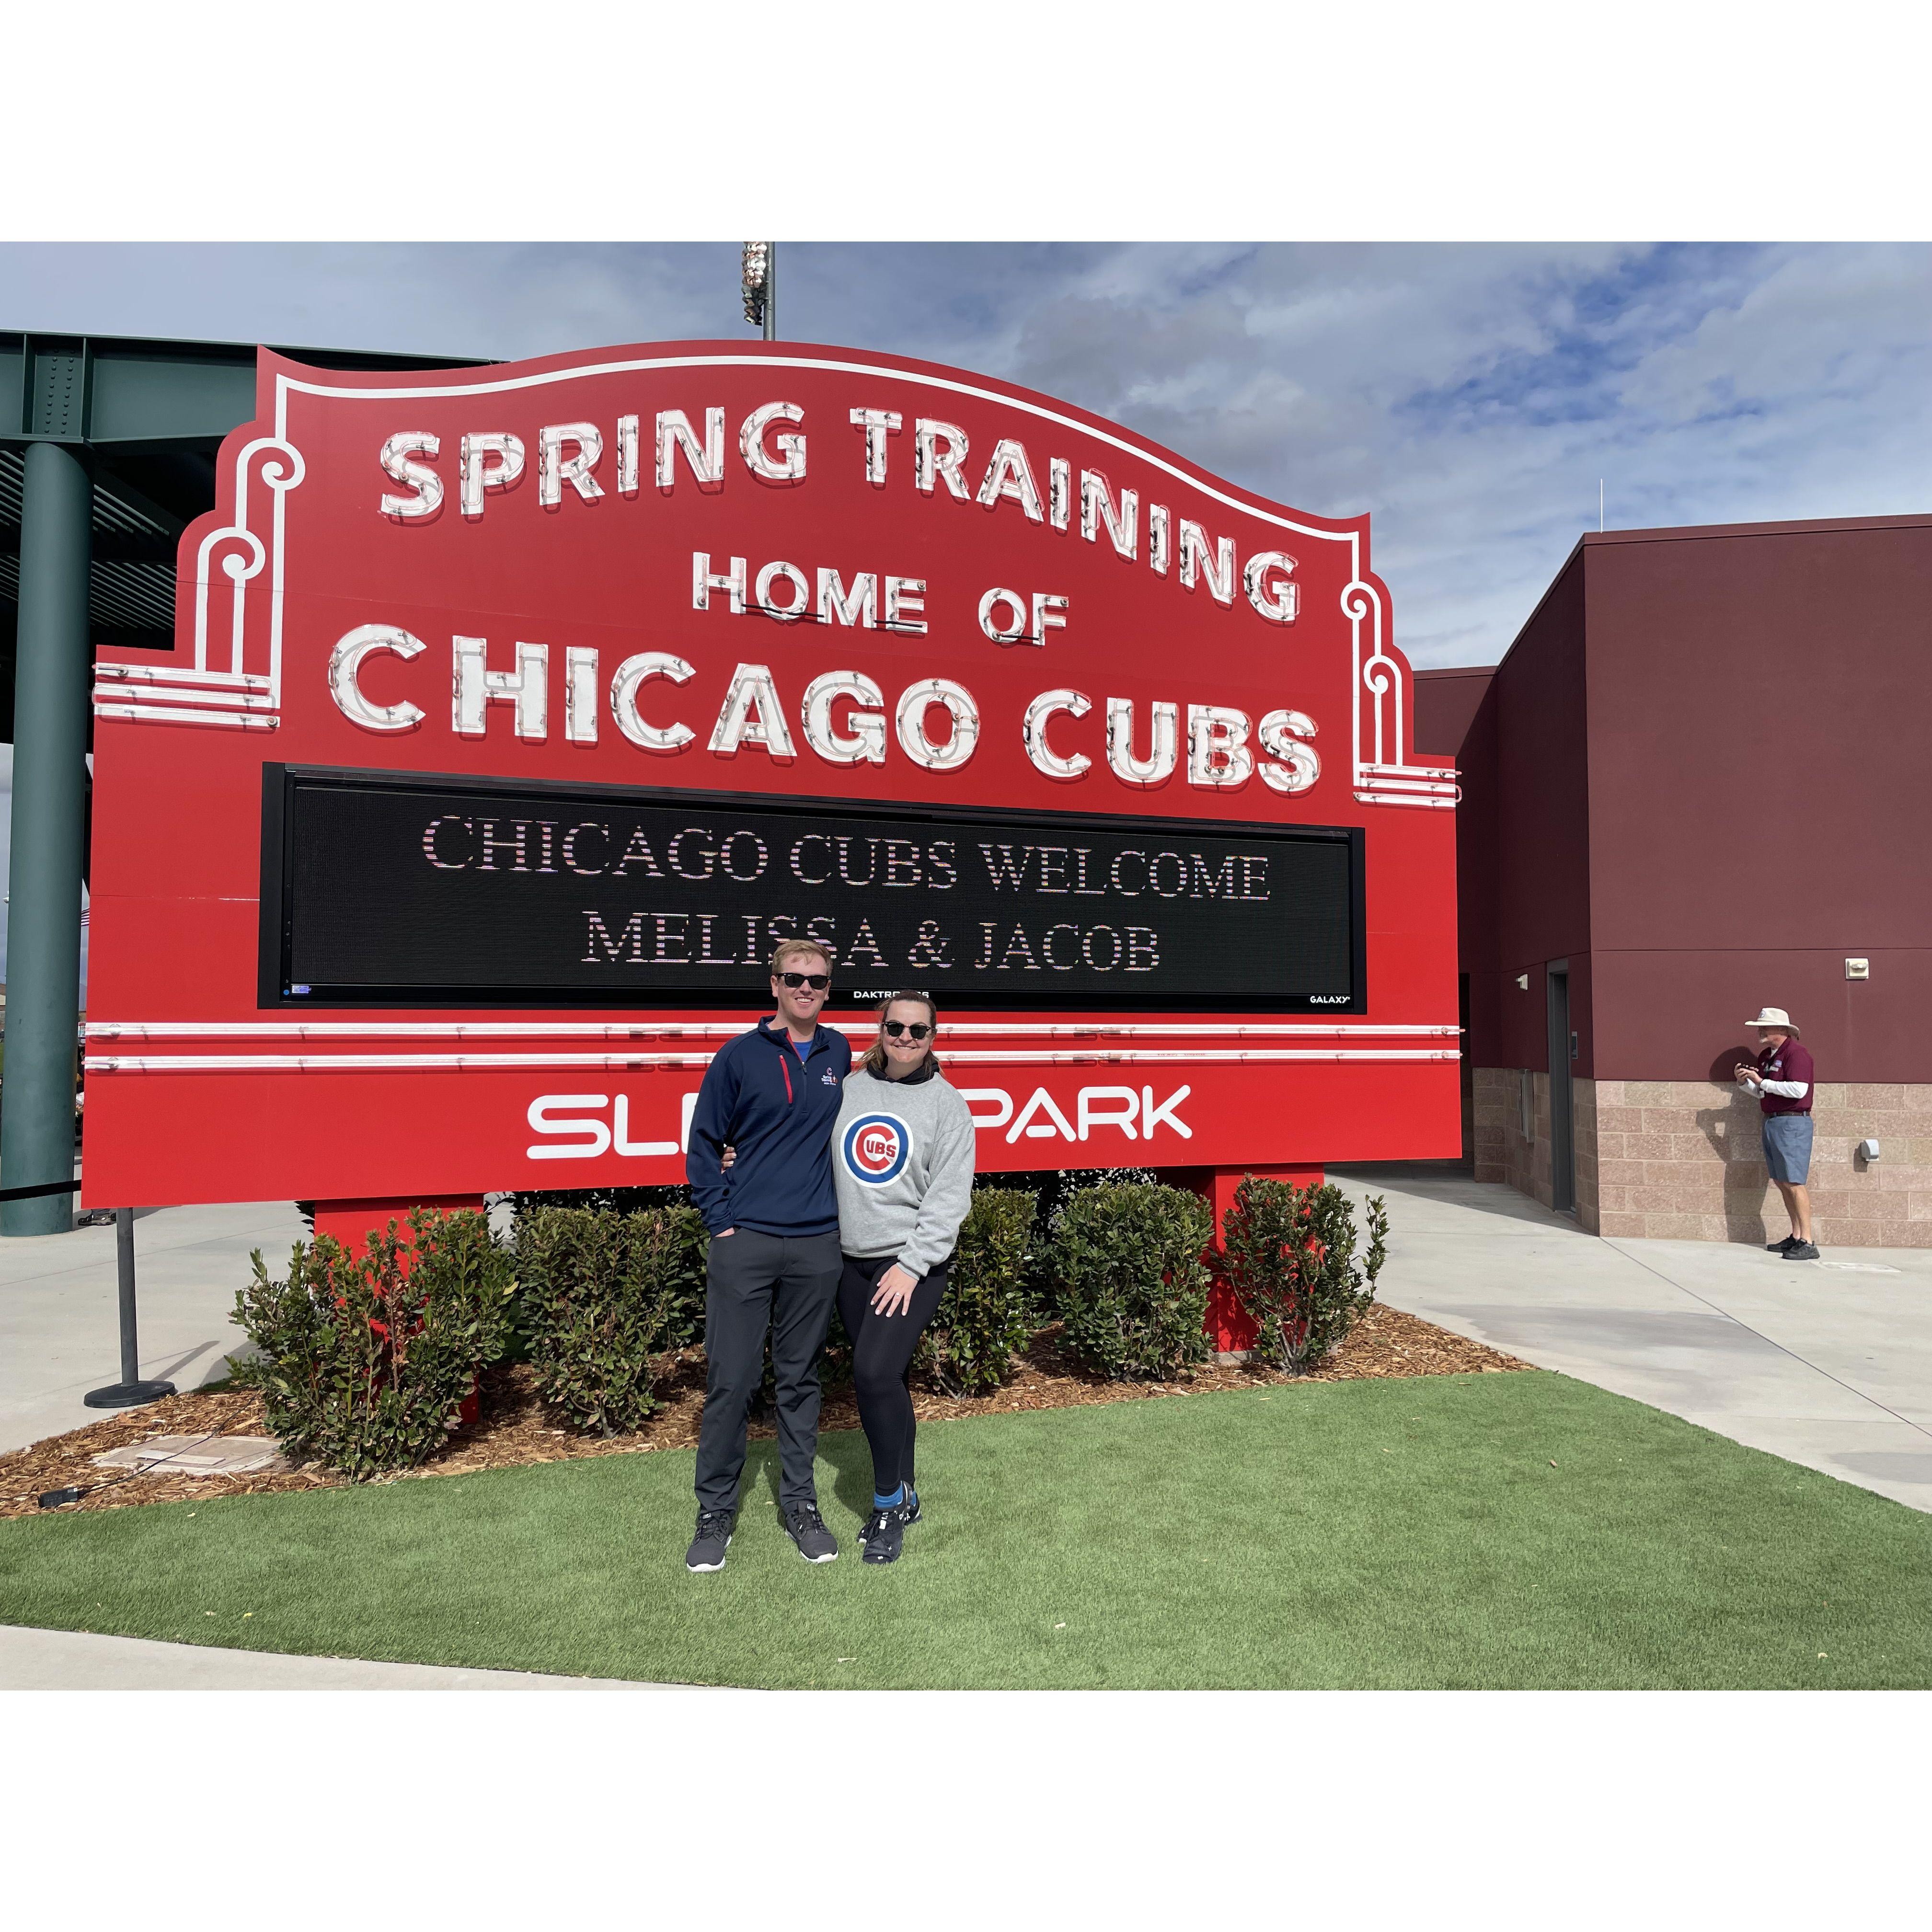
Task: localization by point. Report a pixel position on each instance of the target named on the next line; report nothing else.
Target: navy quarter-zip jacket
(779, 1111)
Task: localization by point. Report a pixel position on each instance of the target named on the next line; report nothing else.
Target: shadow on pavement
(171, 1371)
(1453, 1181)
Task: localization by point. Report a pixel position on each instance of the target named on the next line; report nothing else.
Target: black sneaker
(806, 1527)
(884, 1535)
(713, 1538)
(1802, 1251)
(909, 1511)
(1783, 1247)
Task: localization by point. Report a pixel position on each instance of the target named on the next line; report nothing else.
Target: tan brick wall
(1502, 1152)
(1589, 1187)
(1682, 1159)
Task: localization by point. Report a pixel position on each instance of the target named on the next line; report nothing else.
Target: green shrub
(1131, 1283)
(1289, 1259)
(1050, 1189)
(600, 1294)
(986, 1312)
(363, 1361)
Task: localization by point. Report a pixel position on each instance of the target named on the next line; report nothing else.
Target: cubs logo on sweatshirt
(875, 1148)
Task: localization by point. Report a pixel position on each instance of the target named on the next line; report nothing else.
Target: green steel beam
(51, 669)
(117, 391)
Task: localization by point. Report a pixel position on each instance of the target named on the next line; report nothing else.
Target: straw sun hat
(1774, 1016)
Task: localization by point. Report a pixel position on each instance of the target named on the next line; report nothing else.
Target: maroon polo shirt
(1790, 1061)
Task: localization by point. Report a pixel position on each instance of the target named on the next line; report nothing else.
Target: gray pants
(754, 1282)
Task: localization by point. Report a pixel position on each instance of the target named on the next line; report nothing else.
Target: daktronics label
(595, 897)
(875, 1146)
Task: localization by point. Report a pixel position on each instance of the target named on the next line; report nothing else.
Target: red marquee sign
(515, 713)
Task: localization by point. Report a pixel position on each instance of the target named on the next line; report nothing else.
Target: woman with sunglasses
(902, 1159)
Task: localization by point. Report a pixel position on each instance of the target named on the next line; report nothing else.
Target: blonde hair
(874, 1061)
(795, 948)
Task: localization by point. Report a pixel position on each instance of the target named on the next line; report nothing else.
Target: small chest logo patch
(875, 1148)
(828, 1078)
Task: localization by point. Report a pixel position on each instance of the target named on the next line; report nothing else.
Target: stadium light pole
(759, 279)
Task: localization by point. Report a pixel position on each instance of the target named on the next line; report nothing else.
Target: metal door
(1562, 1048)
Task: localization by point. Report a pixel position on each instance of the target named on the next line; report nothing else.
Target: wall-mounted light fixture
(1867, 1150)
(1522, 981)
(1857, 969)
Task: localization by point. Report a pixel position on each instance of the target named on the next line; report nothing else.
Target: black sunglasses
(817, 981)
(917, 1028)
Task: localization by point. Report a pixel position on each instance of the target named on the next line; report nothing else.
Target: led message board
(515, 713)
(600, 897)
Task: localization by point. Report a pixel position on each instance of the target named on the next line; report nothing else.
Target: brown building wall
(1522, 851)
(1455, 721)
(1695, 777)
(1758, 703)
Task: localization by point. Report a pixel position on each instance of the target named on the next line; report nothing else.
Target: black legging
(882, 1349)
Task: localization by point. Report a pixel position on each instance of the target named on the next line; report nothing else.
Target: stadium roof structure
(151, 415)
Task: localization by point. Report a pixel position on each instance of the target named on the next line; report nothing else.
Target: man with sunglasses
(772, 1095)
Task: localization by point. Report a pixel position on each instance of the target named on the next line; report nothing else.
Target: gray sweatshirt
(902, 1157)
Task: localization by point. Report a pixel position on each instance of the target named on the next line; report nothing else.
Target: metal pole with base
(130, 1391)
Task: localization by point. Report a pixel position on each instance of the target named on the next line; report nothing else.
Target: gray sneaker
(806, 1527)
(1783, 1247)
(713, 1538)
(1802, 1251)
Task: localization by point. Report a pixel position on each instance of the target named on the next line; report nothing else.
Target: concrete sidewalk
(59, 1328)
(1827, 1364)
(41, 1660)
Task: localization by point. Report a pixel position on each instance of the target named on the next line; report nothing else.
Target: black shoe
(884, 1535)
(1783, 1247)
(909, 1511)
(713, 1538)
(806, 1527)
(1802, 1251)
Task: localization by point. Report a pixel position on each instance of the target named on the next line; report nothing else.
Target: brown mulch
(513, 1430)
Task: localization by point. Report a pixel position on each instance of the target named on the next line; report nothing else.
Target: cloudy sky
(1470, 396)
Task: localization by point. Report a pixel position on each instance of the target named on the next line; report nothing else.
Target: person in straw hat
(1782, 1080)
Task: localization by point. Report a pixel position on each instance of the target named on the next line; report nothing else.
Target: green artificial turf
(1497, 1530)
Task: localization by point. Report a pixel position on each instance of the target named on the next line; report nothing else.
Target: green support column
(51, 682)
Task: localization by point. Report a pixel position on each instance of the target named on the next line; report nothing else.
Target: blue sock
(892, 1502)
